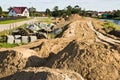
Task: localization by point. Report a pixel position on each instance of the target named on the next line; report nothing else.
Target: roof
(19, 10)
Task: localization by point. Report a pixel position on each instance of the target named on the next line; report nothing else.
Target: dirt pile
(44, 47)
(44, 73)
(74, 17)
(76, 50)
(93, 61)
(12, 60)
(79, 30)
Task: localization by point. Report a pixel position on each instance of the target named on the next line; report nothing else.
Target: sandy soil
(81, 51)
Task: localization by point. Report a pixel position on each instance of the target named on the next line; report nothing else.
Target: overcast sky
(41, 5)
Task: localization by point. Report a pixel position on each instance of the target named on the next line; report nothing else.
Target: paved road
(17, 24)
(101, 36)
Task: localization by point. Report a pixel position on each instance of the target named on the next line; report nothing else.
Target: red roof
(19, 10)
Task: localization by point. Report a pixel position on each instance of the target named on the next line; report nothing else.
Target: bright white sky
(41, 5)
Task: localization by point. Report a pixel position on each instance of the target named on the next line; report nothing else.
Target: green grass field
(47, 19)
(13, 21)
(6, 45)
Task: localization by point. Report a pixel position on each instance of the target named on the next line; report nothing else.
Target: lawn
(13, 21)
(45, 19)
(7, 45)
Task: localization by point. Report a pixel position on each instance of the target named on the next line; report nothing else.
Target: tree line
(67, 11)
(56, 12)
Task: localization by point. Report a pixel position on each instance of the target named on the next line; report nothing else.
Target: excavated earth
(80, 53)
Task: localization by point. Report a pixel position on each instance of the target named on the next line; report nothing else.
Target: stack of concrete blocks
(17, 39)
(25, 39)
(20, 39)
(10, 39)
(33, 38)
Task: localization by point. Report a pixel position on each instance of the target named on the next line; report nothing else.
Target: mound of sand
(12, 60)
(74, 17)
(76, 50)
(79, 30)
(44, 73)
(94, 61)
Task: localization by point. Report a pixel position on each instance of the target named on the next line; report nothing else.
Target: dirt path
(102, 37)
(17, 24)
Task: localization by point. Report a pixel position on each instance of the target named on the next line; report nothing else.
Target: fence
(12, 18)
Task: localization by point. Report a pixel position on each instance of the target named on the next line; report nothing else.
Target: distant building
(19, 11)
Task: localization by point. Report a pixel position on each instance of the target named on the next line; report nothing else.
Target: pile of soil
(93, 61)
(79, 30)
(12, 60)
(44, 73)
(76, 50)
(75, 17)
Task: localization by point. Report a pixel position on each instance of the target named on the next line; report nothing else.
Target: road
(17, 24)
(102, 37)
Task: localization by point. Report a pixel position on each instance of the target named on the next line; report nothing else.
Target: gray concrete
(25, 39)
(10, 39)
(17, 41)
(17, 36)
(33, 38)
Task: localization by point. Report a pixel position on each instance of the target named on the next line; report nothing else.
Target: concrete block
(17, 41)
(10, 39)
(33, 38)
(25, 39)
(17, 36)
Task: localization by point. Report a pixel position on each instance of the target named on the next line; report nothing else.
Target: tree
(69, 10)
(0, 10)
(117, 13)
(10, 8)
(56, 11)
(83, 12)
(32, 11)
(48, 12)
(76, 10)
(56, 8)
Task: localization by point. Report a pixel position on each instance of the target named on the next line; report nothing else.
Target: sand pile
(76, 50)
(79, 30)
(74, 17)
(93, 61)
(44, 73)
(12, 60)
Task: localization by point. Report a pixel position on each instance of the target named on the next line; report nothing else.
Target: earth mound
(77, 51)
(75, 17)
(44, 73)
(12, 60)
(93, 61)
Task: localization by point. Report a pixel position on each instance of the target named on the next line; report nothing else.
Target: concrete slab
(33, 38)
(17, 36)
(17, 41)
(25, 39)
(10, 39)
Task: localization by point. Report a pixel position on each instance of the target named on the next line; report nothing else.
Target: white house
(19, 11)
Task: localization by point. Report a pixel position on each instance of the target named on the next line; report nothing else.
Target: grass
(13, 21)
(7, 45)
(109, 26)
(46, 19)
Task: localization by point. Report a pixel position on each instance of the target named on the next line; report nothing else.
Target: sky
(41, 5)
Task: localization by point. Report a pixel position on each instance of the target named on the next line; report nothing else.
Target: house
(19, 11)
(101, 13)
